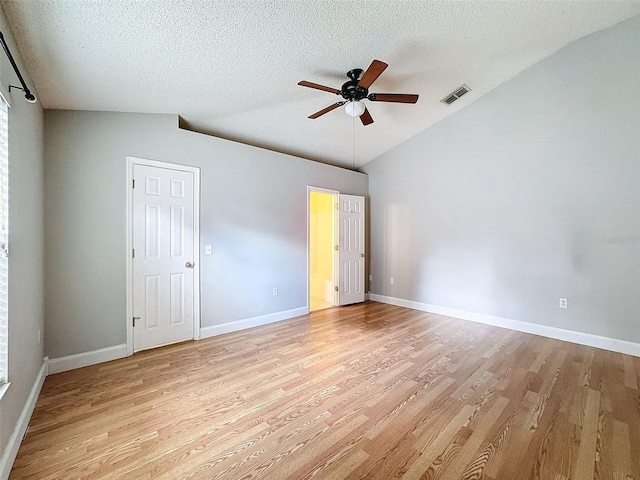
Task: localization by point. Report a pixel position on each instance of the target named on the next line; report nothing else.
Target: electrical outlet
(391, 280)
(563, 303)
(275, 292)
(371, 278)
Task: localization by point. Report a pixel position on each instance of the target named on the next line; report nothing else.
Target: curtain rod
(27, 93)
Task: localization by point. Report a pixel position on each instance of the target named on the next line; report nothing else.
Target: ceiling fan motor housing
(350, 90)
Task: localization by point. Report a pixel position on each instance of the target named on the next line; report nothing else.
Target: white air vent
(455, 95)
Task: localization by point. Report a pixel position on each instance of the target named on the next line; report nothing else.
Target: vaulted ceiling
(230, 68)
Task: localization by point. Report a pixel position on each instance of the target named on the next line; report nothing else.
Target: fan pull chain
(353, 136)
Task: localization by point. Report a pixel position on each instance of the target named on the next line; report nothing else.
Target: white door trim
(335, 194)
(131, 161)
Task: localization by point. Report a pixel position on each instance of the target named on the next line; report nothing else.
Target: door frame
(336, 241)
(131, 161)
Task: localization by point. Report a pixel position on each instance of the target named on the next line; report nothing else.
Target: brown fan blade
(373, 72)
(326, 110)
(304, 83)
(393, 97)
(366, 117)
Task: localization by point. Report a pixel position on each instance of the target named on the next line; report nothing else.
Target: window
(4, 238)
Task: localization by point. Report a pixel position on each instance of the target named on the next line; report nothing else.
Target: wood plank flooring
(368, 391)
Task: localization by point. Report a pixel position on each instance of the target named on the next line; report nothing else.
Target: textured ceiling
(230, 68)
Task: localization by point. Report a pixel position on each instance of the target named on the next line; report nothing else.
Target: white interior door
(351, 250)
(163, 242)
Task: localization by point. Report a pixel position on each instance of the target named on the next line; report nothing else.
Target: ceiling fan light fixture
(357, 89)
(354, 108)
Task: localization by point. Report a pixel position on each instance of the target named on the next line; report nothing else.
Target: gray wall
(507, 205)
(253, 211)
(26, 243)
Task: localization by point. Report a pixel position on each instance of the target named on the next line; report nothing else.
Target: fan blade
(366, 117)
(326, 110)
(373, 72)
(304, 83)
(393, 97)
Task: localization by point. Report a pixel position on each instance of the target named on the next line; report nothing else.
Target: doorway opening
(323, 233)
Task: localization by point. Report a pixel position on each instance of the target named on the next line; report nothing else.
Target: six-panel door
(351, 253)
(163, 241)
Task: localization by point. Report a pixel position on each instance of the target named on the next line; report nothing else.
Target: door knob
(188, 265)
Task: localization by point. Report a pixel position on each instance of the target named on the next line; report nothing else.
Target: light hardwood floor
(367, 391)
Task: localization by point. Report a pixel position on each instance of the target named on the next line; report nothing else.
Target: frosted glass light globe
(354, 108)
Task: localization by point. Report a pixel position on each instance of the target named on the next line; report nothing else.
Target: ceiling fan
(356, 90)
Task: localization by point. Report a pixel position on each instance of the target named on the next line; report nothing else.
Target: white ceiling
(230, 68)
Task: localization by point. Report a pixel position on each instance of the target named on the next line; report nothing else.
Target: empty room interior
(319, 239)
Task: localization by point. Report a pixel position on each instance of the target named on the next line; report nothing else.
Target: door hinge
(133, 253)
(134, 321)
(134, 183)
(337, 206)
(337, 247)
(337, 288)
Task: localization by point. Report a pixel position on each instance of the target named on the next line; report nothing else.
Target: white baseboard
(229, 327)
(606, 343)
(11, 450)
(78, 360)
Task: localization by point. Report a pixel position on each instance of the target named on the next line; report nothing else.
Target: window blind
(4, 238)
